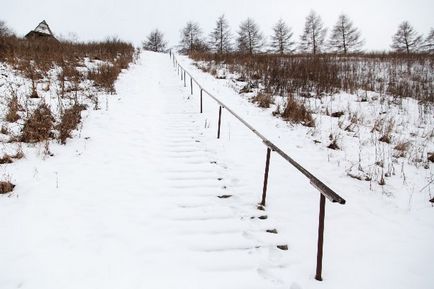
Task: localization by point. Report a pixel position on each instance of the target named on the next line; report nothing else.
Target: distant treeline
(343, 38)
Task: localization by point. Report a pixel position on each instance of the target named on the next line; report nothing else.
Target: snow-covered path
(134, 202)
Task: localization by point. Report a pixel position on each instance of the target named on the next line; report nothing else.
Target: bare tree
(345, 37)
(281, 40)
(250, 39)
(312, 39)
(406, 39)
(155, 41)
(220, 37)
(428, 44)
(4, 30)
(191, 37)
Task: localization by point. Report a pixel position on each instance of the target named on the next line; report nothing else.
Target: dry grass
(296, 112)
(13, 108)
(263, 99)
(387, 132)
(38, 126)
(337, 114)
(402, 75)
(35, 58)
(401, 149)
(104, 76)
(6, 187)
(6, 159)
(69, 121)
(4, 130)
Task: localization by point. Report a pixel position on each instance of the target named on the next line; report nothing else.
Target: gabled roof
(42, 30)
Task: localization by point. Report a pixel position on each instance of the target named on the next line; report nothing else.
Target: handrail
(325, 191)
(319, 185)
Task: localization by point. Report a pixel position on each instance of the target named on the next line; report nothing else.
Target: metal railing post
(201, 101)
(220, 121)
(325, 191)
(320, 238)
(267, 169)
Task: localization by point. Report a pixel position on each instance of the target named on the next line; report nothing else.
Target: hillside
(144, 196)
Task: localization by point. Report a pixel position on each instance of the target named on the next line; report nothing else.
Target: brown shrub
(38, 126)
(402, 146)
(69, 121)
(6, 159)
(4, 130)
(105, 76)
(263, 99)
(6, 187)
(297, 112)
(13, 108)
(385, 138)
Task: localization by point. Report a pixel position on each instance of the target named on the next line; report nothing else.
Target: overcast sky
(132, 20)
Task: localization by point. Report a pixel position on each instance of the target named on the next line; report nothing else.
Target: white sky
(132, 20)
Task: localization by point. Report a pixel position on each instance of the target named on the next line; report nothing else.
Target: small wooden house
(42, 31)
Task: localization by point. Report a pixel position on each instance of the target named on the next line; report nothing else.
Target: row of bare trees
(344, 38)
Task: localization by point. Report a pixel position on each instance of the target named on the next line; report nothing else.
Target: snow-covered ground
(133, 202)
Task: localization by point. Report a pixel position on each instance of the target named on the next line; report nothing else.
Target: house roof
(42, 30)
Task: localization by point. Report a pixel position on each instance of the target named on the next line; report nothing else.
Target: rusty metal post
(201, 102)
(267, 169)
(191, 85)
(220, 121)
(320, 238)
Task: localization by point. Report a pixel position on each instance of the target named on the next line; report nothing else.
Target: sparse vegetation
(297, 113)
(309, 89)
(263, 99)
(69, 121)
(38, 126)
(13, 108)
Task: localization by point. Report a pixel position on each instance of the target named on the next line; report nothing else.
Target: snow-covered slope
(133, 202)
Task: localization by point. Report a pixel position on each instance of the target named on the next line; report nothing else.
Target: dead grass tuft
(387, 132)
(6, 187)
(263, 99)
(6, 159)
(69, 121)
(38, 126)
(337, 114)
(296, 112)
(104, 76)
(13, 108)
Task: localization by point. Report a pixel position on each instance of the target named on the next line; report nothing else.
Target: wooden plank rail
(325, 191)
